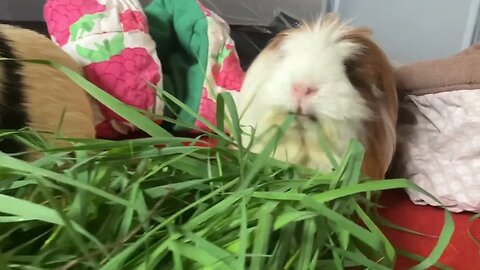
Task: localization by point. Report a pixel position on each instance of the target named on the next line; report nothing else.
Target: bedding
(199, 57)
(439, 123)
(110, 39)
(136, 54)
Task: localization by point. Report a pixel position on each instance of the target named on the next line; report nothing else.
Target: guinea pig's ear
(362, 40)
(360, 34)
(358, 65)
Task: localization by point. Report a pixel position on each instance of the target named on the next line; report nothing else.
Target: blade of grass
(108, 145)
(222, 206)
(127, 220)
(264, 155)
(279, 258)
(359, 259)
(307, 245)
(177, 256)
(391, 225)
(314, 262)
(243, 236)
(199, 255)
(471, 220)
(26, 209)
(339, 192)
(418, 258)
(227, 99)
(158, 253)
(291, 216)
(213, 250)
(261, 241)
(389, 249)
(15, 164)
(345, 224)
(379, 185)
(221, 120)
(160, 191)
(353, 172)
(442, 243)
(279, 196)
(323, 141)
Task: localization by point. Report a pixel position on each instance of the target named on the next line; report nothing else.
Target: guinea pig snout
(301, 94)
(302, 91)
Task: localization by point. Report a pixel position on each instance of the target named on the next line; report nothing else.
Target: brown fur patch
(327, 20)
(276, 41)
(49, 92)
(368, 70)
(303, 26)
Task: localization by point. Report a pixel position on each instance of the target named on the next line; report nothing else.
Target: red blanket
(462, 252)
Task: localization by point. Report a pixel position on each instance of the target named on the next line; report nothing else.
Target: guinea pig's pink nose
(301, 91)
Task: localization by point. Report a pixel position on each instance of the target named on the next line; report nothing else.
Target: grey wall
(263, 11)
(21, 10)
(412, 30)
(234, 11)
(26, 10)
(408, 30)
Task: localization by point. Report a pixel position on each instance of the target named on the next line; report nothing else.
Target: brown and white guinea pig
(39, 96)
(329, 75)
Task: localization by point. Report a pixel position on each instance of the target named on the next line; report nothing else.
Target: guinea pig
(332, 77)
(37, 96)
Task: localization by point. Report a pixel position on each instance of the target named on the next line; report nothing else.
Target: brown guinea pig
(38, 96)
(329, 75)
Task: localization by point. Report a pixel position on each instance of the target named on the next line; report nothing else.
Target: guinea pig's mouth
(304, 116)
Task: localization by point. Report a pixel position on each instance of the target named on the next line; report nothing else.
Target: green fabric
(180, 30)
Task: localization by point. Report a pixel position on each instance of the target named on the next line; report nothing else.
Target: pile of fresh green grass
(133, 205)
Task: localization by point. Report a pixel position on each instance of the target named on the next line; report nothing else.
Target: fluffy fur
(356, 95)
(43, 93)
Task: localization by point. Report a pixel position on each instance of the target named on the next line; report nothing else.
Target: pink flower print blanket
(178, 46)
(110, 39)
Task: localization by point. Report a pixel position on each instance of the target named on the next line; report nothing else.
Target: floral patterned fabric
(110, 39)
(224, 66)
(113, 40)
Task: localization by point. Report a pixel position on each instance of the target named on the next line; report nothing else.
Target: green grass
(131, 205)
